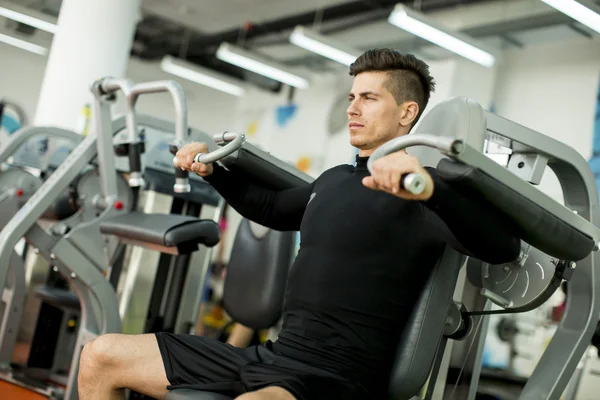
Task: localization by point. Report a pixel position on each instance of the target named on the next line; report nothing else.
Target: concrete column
(94, 40)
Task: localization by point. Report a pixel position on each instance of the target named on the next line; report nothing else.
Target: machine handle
(181, 126)
(234, 141)
(413, 182)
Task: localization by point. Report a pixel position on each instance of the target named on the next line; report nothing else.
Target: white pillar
(94, 40)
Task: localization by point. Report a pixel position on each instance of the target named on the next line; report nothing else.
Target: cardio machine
(559, 242)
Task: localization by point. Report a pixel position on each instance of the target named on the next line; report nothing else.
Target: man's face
(374, 117)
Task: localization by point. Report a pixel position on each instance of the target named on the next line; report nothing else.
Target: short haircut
(408, 77)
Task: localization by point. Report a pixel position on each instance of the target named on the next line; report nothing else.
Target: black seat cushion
(256, 276)
(419, 341)
(189, 394)
(61, 298)
(168, 230)
(536, 226)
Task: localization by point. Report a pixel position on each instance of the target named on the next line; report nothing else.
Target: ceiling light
(577, 11)
(421, 26)
(323, 46)
(28, 20)
(252, 62)
(22, 44)
(201, 76)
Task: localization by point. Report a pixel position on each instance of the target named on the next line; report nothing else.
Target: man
(367, 248)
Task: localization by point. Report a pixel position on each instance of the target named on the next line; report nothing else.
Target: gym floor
(9, 391)
(13, 392)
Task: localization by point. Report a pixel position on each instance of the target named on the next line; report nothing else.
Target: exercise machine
(27, 158)
(82, 248)
(162, 291)
(559, 242)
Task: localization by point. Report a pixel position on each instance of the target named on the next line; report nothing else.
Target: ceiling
(193, 29)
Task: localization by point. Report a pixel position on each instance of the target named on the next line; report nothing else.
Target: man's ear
(409, 111)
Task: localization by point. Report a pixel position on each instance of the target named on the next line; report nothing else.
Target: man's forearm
(281, 210)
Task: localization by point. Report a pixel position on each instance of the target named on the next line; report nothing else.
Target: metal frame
(559, 361)
(99, 306)
(23, 135)
(13, 295)
(134, 294)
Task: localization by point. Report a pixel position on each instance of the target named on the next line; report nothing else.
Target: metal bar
(236, 140)
(102, 126)
(97, 298)
(13, 297)
(23, 135)
(126, 86)
(51, 189)
(181, 126)
(178, 95)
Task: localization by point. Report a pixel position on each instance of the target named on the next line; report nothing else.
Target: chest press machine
(82, 248)
(559, 242)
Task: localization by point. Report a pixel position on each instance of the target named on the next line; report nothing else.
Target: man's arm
(479, 228)
(280, 210)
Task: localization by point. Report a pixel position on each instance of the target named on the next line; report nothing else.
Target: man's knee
(268, 393)
(99, 354)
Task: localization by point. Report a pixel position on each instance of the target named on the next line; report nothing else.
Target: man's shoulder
(332, 171)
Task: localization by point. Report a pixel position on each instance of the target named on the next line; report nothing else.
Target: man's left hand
(388, 170)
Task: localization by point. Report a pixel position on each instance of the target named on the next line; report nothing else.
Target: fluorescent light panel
(22, 44)
(323, 46)
(421, 26)
(245, 59)
(28, 20)
(201, 76)
(578, 12)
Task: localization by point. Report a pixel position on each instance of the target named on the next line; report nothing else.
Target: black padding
(416, 350)
(169, 230)
(58, 297)
(189, 394)
(261, 171)
(256, 276)
(535, 225)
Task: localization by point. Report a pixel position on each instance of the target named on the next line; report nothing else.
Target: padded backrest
(417, 347)
(257, 274)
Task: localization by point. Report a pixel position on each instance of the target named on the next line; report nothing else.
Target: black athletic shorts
(206, 364)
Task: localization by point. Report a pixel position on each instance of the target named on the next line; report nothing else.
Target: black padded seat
(168, 233)
(189, 394)
(58, 297)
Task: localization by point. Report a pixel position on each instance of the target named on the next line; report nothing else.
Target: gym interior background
(546, 77)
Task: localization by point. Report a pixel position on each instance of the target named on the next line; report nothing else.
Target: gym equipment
(452, 136)
(162, 291)
(27, 158)
(80, 251)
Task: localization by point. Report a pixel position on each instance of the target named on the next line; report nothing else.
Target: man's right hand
(185, 159)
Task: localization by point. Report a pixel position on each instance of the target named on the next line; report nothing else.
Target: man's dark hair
(408, 77)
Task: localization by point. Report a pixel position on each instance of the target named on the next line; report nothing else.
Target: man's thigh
(202, 363)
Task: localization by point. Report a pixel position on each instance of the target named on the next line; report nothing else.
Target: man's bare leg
(268, 393)
(112, 362)
(240, 336)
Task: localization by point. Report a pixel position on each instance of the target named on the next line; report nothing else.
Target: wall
(552, 89)
(21, 75)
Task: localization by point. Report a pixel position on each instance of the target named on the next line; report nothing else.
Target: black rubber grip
(135, 157)
(179, 173)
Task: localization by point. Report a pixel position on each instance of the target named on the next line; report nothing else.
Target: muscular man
(367, 248)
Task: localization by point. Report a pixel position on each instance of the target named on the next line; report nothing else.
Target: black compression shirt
(364, 257)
